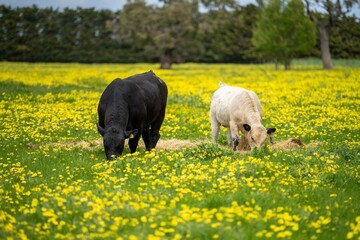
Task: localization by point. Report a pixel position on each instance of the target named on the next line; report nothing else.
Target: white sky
(98, 4)
(113, 5)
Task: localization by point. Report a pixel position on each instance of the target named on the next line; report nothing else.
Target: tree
(167, 32)
(226, 34)
(284, 31)
(29, 43)
(336, 10)
(133, 26)
(176, 29)
(220, 4)
(68, 34)
(249, 14)
(172, 31)
(48, 35)
(344, 42)
(9, 34)
(87, 35)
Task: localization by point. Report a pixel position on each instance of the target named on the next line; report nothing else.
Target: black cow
(133, 106)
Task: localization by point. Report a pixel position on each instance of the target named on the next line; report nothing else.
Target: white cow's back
(229, 101)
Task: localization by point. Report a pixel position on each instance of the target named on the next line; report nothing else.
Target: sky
(113, 5)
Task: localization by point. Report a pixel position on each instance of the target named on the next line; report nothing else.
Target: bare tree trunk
(287, 64)
(324, 45)
(322, 29)
(166, 59)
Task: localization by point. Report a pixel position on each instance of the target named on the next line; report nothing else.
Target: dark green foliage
(174, 31)
(284, 32)
(226, 36)
(345, 35)
(49, 35)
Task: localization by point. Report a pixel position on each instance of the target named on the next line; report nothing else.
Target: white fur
(232, 107)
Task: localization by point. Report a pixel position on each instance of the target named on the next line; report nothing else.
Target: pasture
(55, 182)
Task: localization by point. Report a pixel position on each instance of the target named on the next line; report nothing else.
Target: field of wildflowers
(70, 191)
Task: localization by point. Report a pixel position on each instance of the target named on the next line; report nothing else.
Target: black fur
(132, 107)
(247, 127)
(271, 131)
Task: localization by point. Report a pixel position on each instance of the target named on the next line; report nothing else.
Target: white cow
(238, 109)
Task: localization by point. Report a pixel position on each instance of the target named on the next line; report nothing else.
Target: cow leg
(229, 138)
(154, 138)
(146, 138)
(234, 135)
(155, 129)
(133, 142)
(215, 129)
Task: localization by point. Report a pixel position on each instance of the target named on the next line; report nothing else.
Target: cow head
(256, 135)
(114, 140)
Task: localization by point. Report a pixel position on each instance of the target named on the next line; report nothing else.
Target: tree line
(174, 31)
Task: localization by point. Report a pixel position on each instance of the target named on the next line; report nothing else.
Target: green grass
(51, 191)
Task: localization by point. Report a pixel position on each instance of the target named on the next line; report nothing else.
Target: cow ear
(247, 127)
(131, 133)
(271, 131)
(100, 130)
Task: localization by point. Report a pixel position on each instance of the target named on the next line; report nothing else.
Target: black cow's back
(147, 89)
(134, 103)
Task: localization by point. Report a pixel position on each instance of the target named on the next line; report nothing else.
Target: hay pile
(171, 144)
(174, 144)
(72, 144)
(288, 144)
(293, 143)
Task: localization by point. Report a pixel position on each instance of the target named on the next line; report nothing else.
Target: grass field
(56, 184)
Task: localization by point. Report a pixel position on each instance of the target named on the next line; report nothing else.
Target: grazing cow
(238, 109)
(130, 108)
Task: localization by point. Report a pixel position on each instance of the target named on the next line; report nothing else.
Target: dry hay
(293, 143)
(72, 144)
(175, 144)
(171, 144)
(288, 144)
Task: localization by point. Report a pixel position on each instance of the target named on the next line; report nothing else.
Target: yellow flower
(143, 219)
(219, 216)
